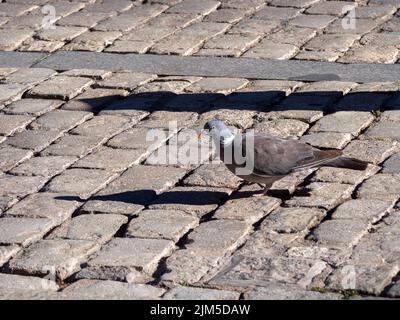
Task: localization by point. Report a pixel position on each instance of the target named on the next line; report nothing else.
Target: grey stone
(384, 186)
(7, 252)
(89, 73)
(61, 33)
(392, 164)
(20, 59)
(374, 151)
(384, 129)
(60, 120)
(30, 75)
(99, 228)
(193, 293)
(43, 166)
(343, 175)
(126, 80)
(23, 231)
(161, 224)
(16, 282)
(35, 107)
(10, 124)
(10, 157)
(283, 128)
(11, 91)
(333, 140)
(104, 126)
(19, 186)
(59, 257)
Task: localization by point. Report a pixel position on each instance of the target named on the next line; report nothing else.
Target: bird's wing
(275, 156)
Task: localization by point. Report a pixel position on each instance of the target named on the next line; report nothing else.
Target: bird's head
(218, 131)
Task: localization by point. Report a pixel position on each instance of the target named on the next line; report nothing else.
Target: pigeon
(265, 158)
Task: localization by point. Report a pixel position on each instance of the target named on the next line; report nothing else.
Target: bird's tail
(348, 163)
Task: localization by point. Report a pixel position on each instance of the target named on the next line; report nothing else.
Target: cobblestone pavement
(87, 212)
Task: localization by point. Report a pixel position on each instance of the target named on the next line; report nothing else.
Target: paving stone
(110, 159)
(384, 186)
(184, 267)
(126, 80)
(289, 183)
(304, 101)
(219, 52)
(249, 209)
(60, 257)
(280, 291)
(217, 237)
(6, 202)
(379, 39)
(12, 40)
(60, 120)
(113, 290)
(361, 101)
(7, 252)
(344, 121)
(61, 87)
(93, 100)
(226, 15)
(257, 271)
(194, 200)
(394, 291)
(232, 42)
(43, 166)
(391, 165)
(329, 56)
(16, 282)
(312, 21)
(290, 220)
(343, 175)
(342, 232)
(34, 140)
(174, 224)
(374, 151)
(83, 19)
(222, 85)
(322, 195)
(6, 71)
(36, 45)
(103, 126)
(238, 118)
(23, 231)
(90, 182)
(92, 41)
(163, 119)
(184, 293)
(376, 11)
(391, 115)
(10, 157)
(99, 227)
(384, 129)
(362, 209)
(53, 206)
(12, 91)
(296, 36)
(11, 9)
(61, 33)
(131, 18)
(108, 7)
(89, 73)
(332, 7)
(332, 42)
(30, 75)
(191, 6)
(19, 186)
(122, 46)
(212, 175)
(334, 140)
(35, 107)
(72, 145)
(10, 124)
(124, 258)
(282, 128)
(65, 8)
(368, 280)
(370, 54)
(272, 50)
(254, 27)
(362, 26)
(189, 39)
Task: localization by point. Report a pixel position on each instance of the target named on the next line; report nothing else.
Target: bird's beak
(202, 134)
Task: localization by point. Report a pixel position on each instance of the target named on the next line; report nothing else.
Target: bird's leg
(263, 192)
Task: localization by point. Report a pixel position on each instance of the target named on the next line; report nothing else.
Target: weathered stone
(272, 50)
(367, 279)
(60, 33)
(391, 165)
(312, 21)
(23, 231)
(10, 124)
(89, 73)
(374, 151)
(335, 8)
(30, 75)
(19, 186)
(212, 175)
(10, 157)
(125, 257)
(226, 15)
(194, 200)
(12, 40)
(59, 257)
(344, 121)
(363, 209)
(343, 175)
(61, 87)
(290, 220)
(341, 232)
(384, 130)
(16, 282)
(280, 291)
(7, 252)
(163, 119)
(122, 46)
(362, 26)
(222, 85)
(126, 80)
(334, 42)
(248, 209)
(238, 118)
(293, 35)
(72, 145)
(108, 7)
(104, 126)
(217, 237)
(391, 115)
(370, 54)
(83, 19)
(192, 6)
(184, 293)
(53, 206)
(99, 227)
(384, 186)
(35, 107)
(113, 290)
(333, 140)
(110, 159)
(36, 45)
(308, 250)
(60, 120)
(90, 182)
(283, 128)
(43, 166)
(161, 224)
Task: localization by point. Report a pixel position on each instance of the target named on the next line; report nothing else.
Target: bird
(265, 158)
